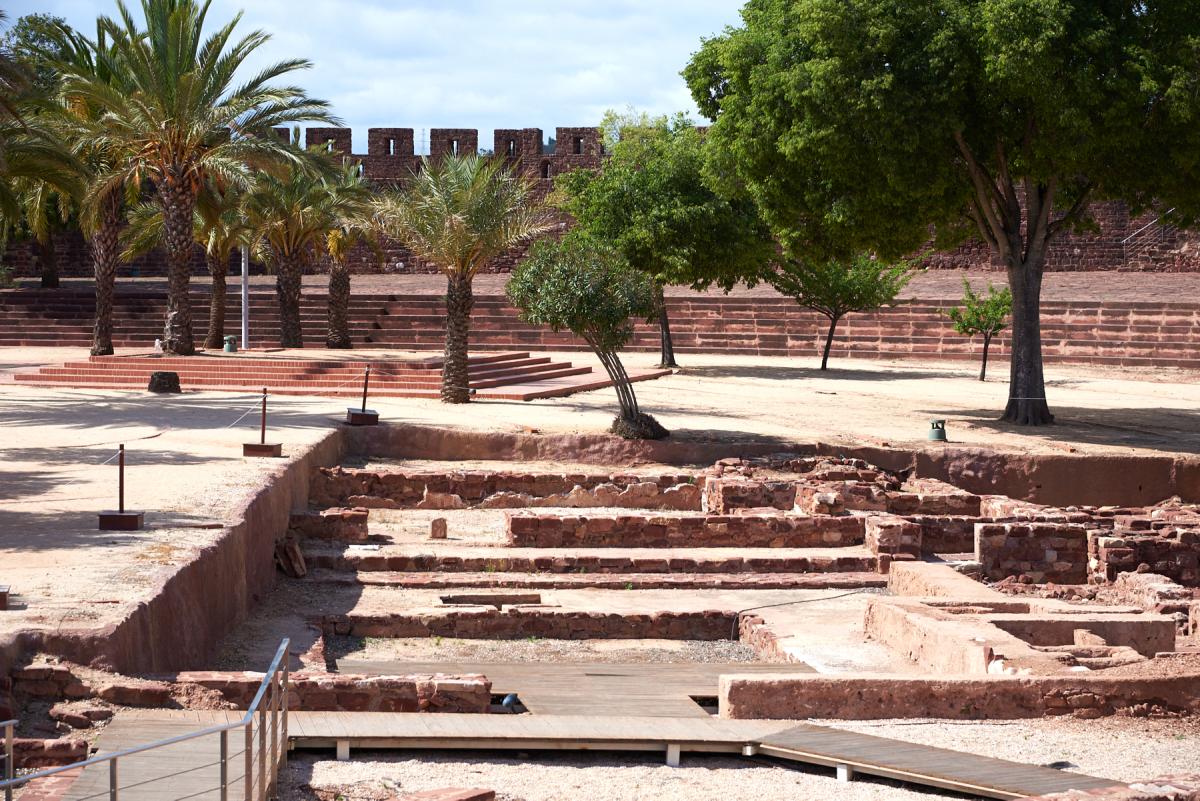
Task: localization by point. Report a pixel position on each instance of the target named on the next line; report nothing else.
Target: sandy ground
(855, 402)
(1122, 749)
(372, 649)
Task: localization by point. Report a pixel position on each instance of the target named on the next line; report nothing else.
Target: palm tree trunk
(339, 307)
(48, 261)
(667, 344)
(456, 380)
(218, 266)
(290, 271)
(104, 245)
(177, 205)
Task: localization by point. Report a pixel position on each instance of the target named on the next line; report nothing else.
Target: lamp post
(246, 297)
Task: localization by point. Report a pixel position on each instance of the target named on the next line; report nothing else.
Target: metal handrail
(276, 679)
(1156, 221)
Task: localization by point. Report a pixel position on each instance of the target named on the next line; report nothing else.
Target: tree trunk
(987, 342)
(289, 274)
(48, 261)
(1027, 386)
(621, 383)
(664, 327)
(833, 321)
(217, 268)
(104, 245)
(339, 307)
(455, 373)
(177, 204)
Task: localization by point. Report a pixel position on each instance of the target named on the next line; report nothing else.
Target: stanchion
(363, 416)
(121, 519)
(262, 447)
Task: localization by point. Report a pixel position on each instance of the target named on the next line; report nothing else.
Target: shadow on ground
(1170, 430)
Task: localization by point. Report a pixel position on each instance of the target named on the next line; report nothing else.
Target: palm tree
(357, 225)
(291, 217)
(219, 226)
(459, 213)
(179, 119)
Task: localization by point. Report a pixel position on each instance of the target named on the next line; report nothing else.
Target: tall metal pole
(264, 417)
(245, 296)
(366, 381)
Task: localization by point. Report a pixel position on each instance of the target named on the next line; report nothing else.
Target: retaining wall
(663, 531)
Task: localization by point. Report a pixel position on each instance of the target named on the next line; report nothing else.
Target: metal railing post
(250, 760)
(114, 791)
(224, 765)
(262, 753)
(9, 767)
(284, 734)
(274, 705)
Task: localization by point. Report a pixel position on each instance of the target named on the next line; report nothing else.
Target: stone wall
(677, 531)
(873, 697)
(1042, 552)
(1174, 553)
(519, 622)
(343, 692)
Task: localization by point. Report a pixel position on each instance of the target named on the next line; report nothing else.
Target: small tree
(835, 288)
(982, 314)
(584, 287)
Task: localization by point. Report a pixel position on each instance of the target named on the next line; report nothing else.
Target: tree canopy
(856, 125)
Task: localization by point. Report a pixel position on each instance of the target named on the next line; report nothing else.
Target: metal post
(224, 765)
(8, 759)
(245, 297)
(284, 702)
(274, 728)
(120, 478)
(262, 753)
(113, 790)
(264, 417)
(250, 760)
(366, 381)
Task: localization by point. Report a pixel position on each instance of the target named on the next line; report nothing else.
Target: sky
(470, 63)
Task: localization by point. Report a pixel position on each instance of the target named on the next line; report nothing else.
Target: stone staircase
(507, 376)
(1138, 334)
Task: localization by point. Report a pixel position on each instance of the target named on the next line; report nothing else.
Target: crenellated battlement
(391, 152)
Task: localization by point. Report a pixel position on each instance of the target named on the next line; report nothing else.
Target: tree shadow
(1164, 429)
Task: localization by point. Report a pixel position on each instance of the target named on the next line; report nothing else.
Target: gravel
(539, 650)
(1123, 749)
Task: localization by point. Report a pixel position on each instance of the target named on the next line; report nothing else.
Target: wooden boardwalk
(194, 773)
(634, 690)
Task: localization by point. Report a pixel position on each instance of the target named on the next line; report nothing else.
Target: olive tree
(835, 288)
(982, 314)
(587, 288)
(858, 124)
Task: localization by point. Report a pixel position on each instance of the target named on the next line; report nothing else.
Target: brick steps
(627, 581)
(1136, 334)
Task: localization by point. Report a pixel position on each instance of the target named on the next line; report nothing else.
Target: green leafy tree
(982, 314)
(356, 226)
(179, 117)
(836, 288)
(587, 288)
(458, 213)
(858, 124)
(651, 201)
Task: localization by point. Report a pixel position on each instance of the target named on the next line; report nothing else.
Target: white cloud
(474, 63)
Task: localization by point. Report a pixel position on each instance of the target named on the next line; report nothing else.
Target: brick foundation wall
(339, 486)
(1044, 552)
(892, 535)
(518, 622)
(342, 525)
(710, 531)
(873, 697)
(1171, 553)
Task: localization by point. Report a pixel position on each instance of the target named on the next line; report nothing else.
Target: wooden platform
(636, 690)
(194, 772)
